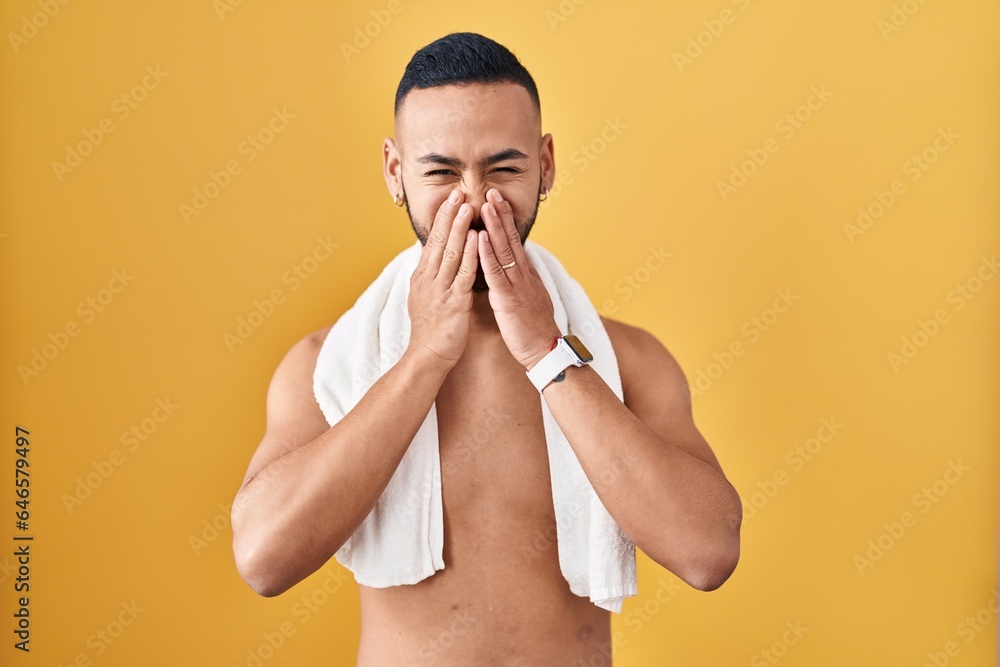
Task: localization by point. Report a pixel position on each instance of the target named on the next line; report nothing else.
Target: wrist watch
(566, 351)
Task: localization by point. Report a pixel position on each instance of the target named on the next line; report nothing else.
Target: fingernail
(496, 196)
(493, 209)
(454, 196)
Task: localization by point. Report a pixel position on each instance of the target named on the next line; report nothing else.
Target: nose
(476, 197)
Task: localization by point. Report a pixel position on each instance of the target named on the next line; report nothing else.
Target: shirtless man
(476, 328)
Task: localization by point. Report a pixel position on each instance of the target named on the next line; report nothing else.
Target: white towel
(401, 540)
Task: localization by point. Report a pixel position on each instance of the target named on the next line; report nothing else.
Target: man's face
(473, 137)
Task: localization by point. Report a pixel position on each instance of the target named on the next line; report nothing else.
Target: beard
(480, 284)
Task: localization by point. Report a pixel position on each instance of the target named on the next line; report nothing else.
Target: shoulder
(645, 364)
(292, 380)
(626, 336)
(655, 390)
(303, 353)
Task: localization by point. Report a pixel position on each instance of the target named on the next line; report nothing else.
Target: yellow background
(682, 127)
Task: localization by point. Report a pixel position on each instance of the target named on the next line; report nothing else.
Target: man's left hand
(520, 302)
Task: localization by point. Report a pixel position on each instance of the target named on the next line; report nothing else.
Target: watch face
(579, 349)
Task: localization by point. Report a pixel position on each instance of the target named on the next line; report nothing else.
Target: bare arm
(309, 486)
(648, 463)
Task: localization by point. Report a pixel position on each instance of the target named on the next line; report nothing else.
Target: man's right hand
(440, 299)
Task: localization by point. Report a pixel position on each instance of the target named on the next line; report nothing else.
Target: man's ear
(547, 161)
(392, 169)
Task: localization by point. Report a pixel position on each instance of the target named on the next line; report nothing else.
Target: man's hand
(520, 302)
(440, 299)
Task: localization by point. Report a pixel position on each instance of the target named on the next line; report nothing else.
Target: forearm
(677, 508)
(300, 508)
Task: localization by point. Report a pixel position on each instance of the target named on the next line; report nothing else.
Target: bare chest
(501, 595)
(494, 465)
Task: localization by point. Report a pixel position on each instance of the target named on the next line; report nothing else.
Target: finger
(496, 277)
(466, 275)
(497, 236)
(506, 213)
(452, 255)
(437, 239)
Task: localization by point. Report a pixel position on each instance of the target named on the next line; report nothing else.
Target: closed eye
(447, 171)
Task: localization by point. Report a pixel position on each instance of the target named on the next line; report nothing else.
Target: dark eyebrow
(506, 154)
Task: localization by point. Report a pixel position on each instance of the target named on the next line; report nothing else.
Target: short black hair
(464, 58)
